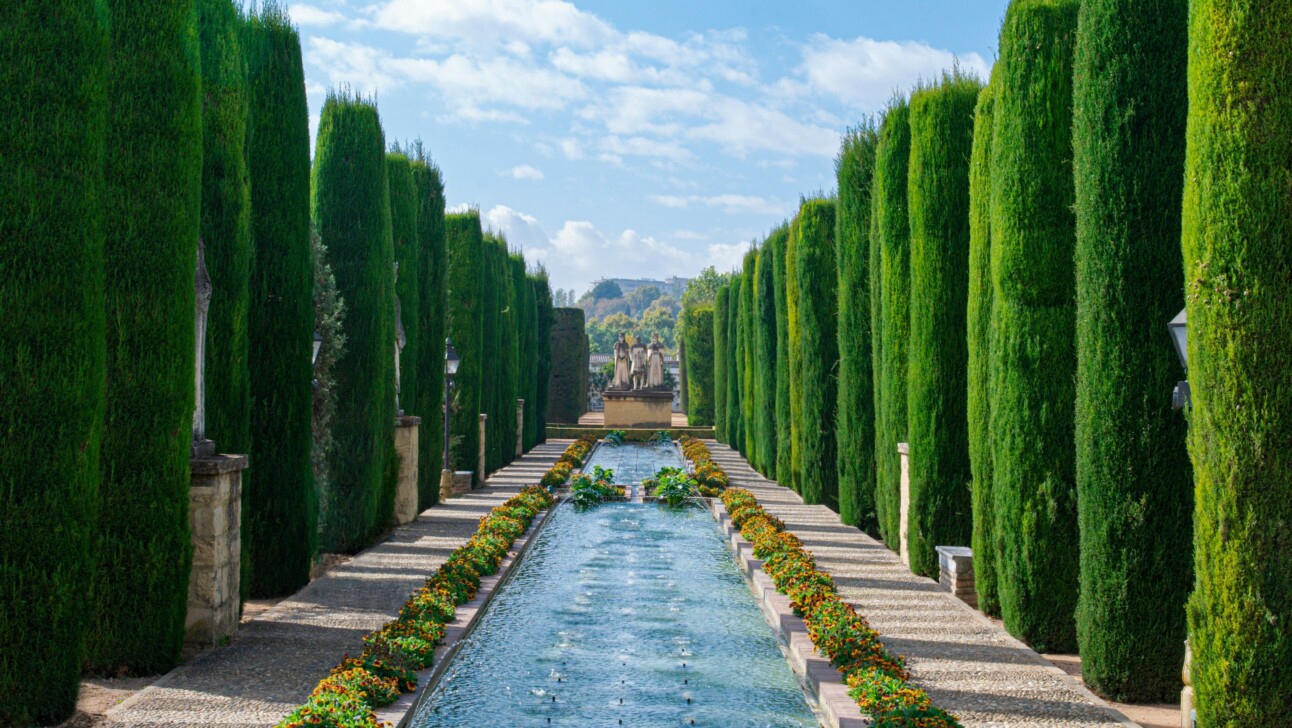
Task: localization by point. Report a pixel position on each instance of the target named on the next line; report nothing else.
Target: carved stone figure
(621, 380)
(638, 356)
(655, 364)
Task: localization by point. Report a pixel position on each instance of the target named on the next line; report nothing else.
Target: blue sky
(634, 138)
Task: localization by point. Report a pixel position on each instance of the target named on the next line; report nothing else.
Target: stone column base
(406, 429)
(904, 514)
(214, 517)
(955, 572)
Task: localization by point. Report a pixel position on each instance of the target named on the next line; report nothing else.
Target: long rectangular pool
(627, 614)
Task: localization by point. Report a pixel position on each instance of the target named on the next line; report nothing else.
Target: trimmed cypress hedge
(795, 342)
(153, 189)
(735, 365)
(938, 202)
(280, 509)
(746, 362)
(52, 58)
(784, 420)
(408, 289)
(567, 393)
(764, 383)
(892, 235)
(429, 402)
(491, 392)
(818, 311)
(226, 224)
(526, 330)
(978, 405)
(855, 423)
(699, 365)
(464, 243)
(351, 205)
(1134, 485)
(1237, 233)
(505, 363)
(1033, 316)
(721, 307)
(545, 317)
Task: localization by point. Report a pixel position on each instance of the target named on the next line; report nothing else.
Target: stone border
(837, 709)
(401, 712)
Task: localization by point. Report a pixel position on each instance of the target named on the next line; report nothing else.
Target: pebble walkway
(968, 665)
(276, 659)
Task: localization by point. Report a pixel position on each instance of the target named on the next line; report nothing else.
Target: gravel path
(969, 666)
(276, 659)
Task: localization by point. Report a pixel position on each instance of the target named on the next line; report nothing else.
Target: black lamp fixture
(1180, 338)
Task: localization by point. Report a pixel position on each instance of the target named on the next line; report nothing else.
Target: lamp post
(1180, 337)
(451, 362)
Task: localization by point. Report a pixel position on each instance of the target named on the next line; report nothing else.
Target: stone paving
(276, 659)
(969, 666)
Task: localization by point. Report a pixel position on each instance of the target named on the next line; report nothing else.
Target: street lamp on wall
(1180, 338)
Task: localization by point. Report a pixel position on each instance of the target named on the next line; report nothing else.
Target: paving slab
(969, 666)
(276, 659)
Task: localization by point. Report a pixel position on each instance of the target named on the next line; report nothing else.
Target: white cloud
(494, 21)
(726, 256)
(733, 204)
(359, 66)
(526, 172)
(864, 72)
(302, 14)
(519, 228)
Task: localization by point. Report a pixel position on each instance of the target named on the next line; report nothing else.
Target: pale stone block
(406, 445)
(639, 409)
(904, 450)
(214, 512)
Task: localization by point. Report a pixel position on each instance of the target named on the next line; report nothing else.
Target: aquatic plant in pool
(675, 487)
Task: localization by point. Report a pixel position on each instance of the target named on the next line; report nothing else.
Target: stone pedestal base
(955, 572)
(214, 517)
(904, 451)
(406, 447)
(462, 481)
(639, 408)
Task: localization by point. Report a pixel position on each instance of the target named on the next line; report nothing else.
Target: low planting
(572, 459)
(877, 678)
(591, 489)
(615, 438)
(710, 478)
(387, 665)
(673, 486)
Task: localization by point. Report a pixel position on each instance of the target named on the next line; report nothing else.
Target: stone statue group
(639, 366)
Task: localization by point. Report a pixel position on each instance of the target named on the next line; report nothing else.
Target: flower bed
(708, 476)
(876, 678)
(391, 655)
(571, 460)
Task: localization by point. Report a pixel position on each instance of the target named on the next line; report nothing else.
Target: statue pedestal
(639, 408)
(406, 447)
(214, 518)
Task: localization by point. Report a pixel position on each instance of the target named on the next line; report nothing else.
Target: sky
(634, 138)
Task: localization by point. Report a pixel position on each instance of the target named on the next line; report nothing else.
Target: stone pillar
(955, 572)
(520, 427)
(904, 449)
(482, 463)
(1186, 695)
(406, 432)
(214, 517)
(446, 485)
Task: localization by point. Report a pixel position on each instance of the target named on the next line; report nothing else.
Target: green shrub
(280, 505)
(152, 194)
(464, 243)
(735, 360)
(545, 316)
(1134, 484)
(746, 362)
(52, 59)
(351, 203)
(979, 349)
(429, 399)
(699, 365)
(568, 394)
(818, 311)
(938, 202)
(408, 254)
(764, 383)
(1033, 316)
(891, 231)
(794, 345)
(1237, 233)
(784, 421)
(855, 424)
(721, 311)
(526, 332)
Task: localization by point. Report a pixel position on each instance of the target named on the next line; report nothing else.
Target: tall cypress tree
(464, 243)
(430, 324)
(721, 305)
(1237, 233)
(699, 365)
(818, 311)
(784, 420)
(546, 316)
(892, 238)
(1033, 357)
(525, 326)
(279, 504)
(978, 404)
(747, 378)
(52, 58)
(408, 289)
(735, 365)
(938, 201)
(1134, 486)
(855, 424)
(351, 204)
(795, 348)
(764, 383)
(153, 190)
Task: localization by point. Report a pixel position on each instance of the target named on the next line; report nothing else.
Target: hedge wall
(545, 317)
(1033, 315)
(721, 311)
(494, 374)
(52, 58)
(351, 205)
(746, 363)
(464, 244)
(408, 289)
(567, 398)
(527, 331)
(855, 424)
(784, 420)
(1134, 484)
(735, 365)
(152, 194)
(938, 202)
(280, 508)
(699, 366)
(818, 310)
(1237, 233)
(978, 404)
(892, 235)
(429, 400)
(764, 383)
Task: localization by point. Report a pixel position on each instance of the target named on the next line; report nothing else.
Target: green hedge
(735, 365)
(1033, 316)
(429, 402)
(855, 424)
(746, 362)
(721, 311)
(464, 243)
(52, 58)
(938, 201)
(279, 504)
(1134, 485)
(153, 195)
(408, 289)
(526, 331)
(495, 371)
(784, 420)
(568, 394)
(978, 407)
(892, 236)
(545, 317)
(351, 206)
(699, 365)
(1237, 233)
(792, 476)
(764, 382)
(818, 311)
